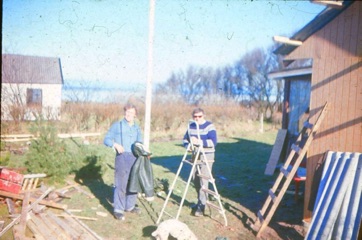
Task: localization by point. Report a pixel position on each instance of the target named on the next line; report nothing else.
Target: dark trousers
(200, 182)
(122, 199)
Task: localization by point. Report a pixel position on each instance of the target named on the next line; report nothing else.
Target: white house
(31, 86)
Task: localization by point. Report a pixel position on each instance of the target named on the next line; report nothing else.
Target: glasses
(198, 116)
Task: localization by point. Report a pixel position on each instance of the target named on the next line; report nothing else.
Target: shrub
(48, 154)
(4, 158)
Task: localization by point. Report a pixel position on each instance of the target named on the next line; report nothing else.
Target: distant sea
(99, 94)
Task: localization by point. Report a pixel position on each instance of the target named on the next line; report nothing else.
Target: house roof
(324, 17)
(31, 69)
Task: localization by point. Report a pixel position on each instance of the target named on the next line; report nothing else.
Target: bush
(4, 158)
(48, 154)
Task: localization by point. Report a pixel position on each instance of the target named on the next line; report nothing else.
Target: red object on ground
(10, 181)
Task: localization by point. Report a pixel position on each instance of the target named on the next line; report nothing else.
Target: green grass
(238, 171)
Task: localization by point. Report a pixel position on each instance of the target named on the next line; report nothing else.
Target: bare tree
(254, 68)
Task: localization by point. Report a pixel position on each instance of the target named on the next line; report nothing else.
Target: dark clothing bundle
(141, 177)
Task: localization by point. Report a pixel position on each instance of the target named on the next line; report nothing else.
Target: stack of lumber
(43, 217)
(48, 225)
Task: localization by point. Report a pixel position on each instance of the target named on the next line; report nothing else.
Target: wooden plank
(18, 234)
(42, 202)
(276, 151)
(28, 137)
(82, 232)
(37, 175)
(11, 207)
(53, 227)
(92, 233)
(42, 227)
(17, 135)
(29, 208)
(35, 230)
(24, 213)
(72, 233)
(78, 217)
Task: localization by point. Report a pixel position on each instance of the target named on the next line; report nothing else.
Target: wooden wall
(336, 50)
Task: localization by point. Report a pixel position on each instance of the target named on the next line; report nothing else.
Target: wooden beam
(37, 201)
(78, 217)
(337, 4)
(42, 202)
(287, 41)
(28, 137)
(83, 225)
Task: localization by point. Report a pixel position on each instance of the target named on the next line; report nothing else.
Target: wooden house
(332, 42)
(31, 86)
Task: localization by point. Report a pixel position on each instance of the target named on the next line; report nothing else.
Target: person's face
(130, 114)
(199, 117)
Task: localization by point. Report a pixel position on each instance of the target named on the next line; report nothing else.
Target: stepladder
(286, 175)
(196, 157)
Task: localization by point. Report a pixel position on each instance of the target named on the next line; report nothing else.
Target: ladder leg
(289, 175)
(215, 191)
(195, 161)
(188, 183)
(171, 188)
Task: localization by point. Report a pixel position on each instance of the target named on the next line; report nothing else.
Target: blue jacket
(126, 136)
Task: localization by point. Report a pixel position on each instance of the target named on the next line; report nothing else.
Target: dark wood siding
(337, 78)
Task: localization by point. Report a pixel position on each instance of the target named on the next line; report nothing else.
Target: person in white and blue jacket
(208, 140)
(121, 136)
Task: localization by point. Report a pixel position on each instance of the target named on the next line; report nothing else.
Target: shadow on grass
(239, 174)
(91, 176)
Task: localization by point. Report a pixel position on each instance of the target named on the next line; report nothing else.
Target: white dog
(175, 228)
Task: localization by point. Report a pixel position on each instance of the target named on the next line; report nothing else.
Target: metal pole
(147, 128)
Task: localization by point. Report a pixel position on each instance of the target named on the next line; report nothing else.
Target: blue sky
(107, 40)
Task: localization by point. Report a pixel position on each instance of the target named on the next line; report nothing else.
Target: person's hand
(119, 148)
(196, 141)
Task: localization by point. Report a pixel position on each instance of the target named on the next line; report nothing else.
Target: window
(34, 97)
(298, 104)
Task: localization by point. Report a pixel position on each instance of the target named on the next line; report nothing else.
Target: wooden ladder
(273, 200)
(192, 157)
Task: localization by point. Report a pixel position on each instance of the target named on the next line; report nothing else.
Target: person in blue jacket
(120, 136)
(208, 140)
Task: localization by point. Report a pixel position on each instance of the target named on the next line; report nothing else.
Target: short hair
(198, 110)
(129, 106)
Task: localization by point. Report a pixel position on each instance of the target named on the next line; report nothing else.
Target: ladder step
(206, 177)
(284, 171)
(214, 206)
(272, 195)
(211, 192)
(260, 217)
(191, 162)
(188, 161)
(168, 214)
(306, 124)
(296, 148)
